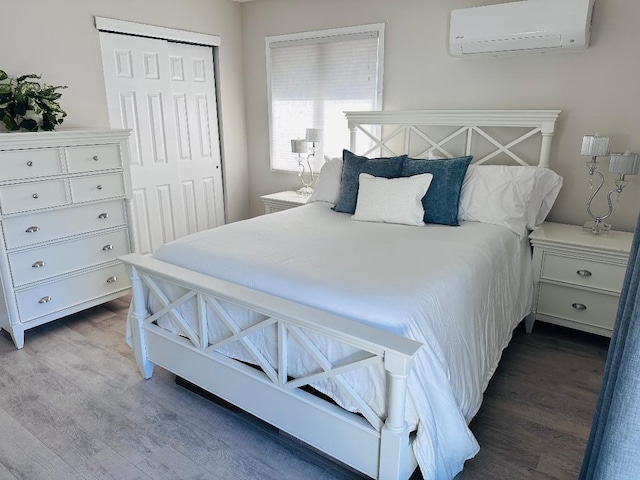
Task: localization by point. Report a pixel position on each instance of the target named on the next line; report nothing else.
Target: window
(313, 78)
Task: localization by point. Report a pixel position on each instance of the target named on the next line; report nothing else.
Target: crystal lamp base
(305, 191)
(597, 228)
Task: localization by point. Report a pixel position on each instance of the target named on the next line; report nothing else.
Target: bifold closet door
(165, 93)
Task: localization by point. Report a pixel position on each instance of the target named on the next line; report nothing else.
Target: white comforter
(458, 290)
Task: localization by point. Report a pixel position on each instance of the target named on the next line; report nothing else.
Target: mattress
(458, 290)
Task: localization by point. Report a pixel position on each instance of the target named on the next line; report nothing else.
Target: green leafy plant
(27, 104)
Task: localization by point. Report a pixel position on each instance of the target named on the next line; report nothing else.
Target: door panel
(152, 86)
(194, 99)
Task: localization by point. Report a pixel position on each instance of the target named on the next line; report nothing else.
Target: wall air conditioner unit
(528, 26)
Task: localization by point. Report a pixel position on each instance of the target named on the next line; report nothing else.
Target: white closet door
(176, 189)
(194, 105)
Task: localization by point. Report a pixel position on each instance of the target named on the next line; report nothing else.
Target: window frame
(320, 35)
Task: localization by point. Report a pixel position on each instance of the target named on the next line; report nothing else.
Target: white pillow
(516, 197)
(392, 200)
(327, 187)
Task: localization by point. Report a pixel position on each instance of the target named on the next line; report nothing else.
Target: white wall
(597, 89)
(58, 40)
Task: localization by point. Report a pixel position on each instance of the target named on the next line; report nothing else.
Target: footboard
(378, 447)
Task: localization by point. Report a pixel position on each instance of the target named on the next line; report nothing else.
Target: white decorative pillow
(327, 187)
(516, 197)
(392, 200)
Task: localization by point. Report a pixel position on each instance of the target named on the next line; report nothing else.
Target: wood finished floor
(73, 406)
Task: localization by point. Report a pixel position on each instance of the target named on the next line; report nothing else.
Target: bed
(370, 341)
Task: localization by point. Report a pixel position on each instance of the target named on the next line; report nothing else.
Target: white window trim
(317, 34)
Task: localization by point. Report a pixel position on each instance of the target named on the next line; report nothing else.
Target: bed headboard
(410, 132)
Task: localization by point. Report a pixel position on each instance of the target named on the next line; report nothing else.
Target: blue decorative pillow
(441, 200)
(352, 166)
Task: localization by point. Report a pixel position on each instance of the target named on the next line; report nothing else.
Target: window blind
(313, 80)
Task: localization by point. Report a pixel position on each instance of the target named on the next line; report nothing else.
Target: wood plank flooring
(73, 406)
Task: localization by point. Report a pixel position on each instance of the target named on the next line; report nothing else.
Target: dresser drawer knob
(45, 299)
(112, 279)
(29, 163)
(35, 195)
(584, 273)
(38, 264)
(108, 247)
(579, 306)
(103, 215)
(33, 229)
(95, 157)
(99, 187)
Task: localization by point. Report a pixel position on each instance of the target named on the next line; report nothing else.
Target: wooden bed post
(547, 130)
(394, 437)
(137, 318)
(353, 131)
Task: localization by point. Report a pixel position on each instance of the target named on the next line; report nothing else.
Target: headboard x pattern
(405, 126)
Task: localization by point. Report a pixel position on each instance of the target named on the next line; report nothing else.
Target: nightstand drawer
(41, 263)
(97, 187)
(584, 272)
(93, 157)
(597, 309)
(48, 298)
(32, 196)
(36, 162)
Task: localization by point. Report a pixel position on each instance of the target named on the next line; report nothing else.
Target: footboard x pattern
(276, 370)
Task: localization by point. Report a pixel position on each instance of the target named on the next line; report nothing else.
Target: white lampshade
(595, 146)
(624, 163)
(313, 135)
(299, 145)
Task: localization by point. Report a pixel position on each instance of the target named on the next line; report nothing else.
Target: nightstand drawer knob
(107, 247)
(102, 216)
(33, 229)
(46, 299)
(579, 306)
(38, 264)
(115, 279)
(584, 273)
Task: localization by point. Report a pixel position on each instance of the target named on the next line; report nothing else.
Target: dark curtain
(613, 450)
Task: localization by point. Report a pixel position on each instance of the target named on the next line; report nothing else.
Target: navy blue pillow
(441, 200)
(352, 166)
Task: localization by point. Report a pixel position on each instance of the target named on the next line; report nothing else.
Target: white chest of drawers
(64, 203)
(578, 276)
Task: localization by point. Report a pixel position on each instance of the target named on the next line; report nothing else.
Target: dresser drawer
(37, 162)
(584, 272)
(38, 264)
(44, 299)
(93, 157)
(44, 226)
(565, 302)
(97, 187)
(31, 196)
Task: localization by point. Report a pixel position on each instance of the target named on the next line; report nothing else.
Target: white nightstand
(578, 276)
(276, 202)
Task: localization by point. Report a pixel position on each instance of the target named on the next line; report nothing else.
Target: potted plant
(26, 104)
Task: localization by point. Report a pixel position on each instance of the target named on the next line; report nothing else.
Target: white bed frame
(378, 447)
